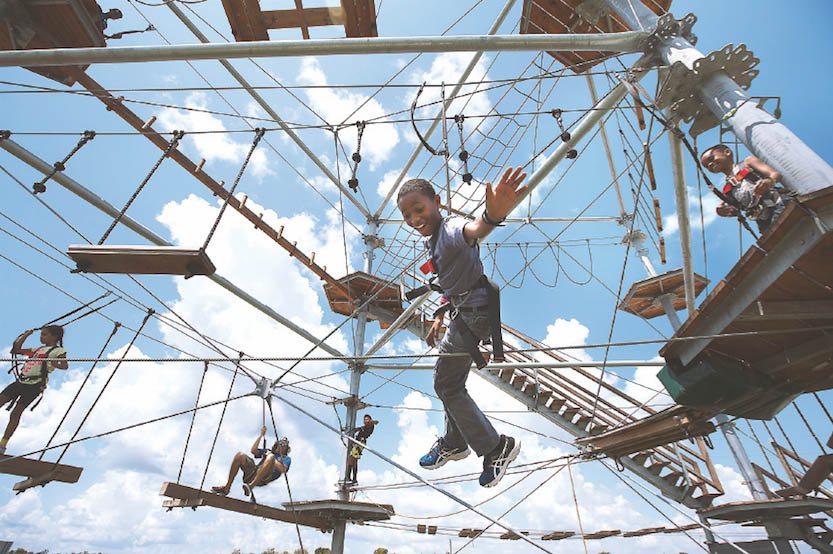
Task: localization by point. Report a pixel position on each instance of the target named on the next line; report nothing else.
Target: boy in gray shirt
(455, 257)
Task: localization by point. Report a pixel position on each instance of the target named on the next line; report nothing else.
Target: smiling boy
(455, 257)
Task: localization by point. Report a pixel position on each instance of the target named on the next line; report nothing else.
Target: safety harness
(43, 378)
(471, 340)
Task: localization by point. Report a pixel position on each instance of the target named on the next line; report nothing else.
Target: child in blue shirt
(274, 462)
(455, 257)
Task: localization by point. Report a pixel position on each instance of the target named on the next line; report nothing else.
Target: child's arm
(499, 202)
(256, 445)
(769, 174)
(725, 210)
(436, 328)
(17, 347)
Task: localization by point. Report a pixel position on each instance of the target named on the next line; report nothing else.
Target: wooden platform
(565, 17)
(783, 289)
(35, 24)
(756, 510)
(643, 297)
(141, 260)
(187, 497)
(667, 426)
(248, 22)
(37, 472)
(338, 510)
(356, 288)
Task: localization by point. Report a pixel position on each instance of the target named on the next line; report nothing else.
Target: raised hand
(502, 199)
(434, 332)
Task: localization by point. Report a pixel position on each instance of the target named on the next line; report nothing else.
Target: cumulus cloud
(214, 147)
(671, 223)
(335, 105)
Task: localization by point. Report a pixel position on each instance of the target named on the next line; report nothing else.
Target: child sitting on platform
(273, 463)
(751, 184)
(455, 257)
(30, 380)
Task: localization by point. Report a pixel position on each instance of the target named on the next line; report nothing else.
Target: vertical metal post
(594, 96)
(681, 197)
(356, 369)
(801, 168)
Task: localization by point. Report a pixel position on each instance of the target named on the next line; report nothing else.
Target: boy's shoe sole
(511, 458)
(452, 457)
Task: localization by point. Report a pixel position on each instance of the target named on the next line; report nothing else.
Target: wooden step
(543, 397)
(673, 477)
(570, 413)
(641, 457)
(657, 466)
(599, 428)
(556, 404)
(506, 374)
(708, 498)
(518, 381)
(583, 422)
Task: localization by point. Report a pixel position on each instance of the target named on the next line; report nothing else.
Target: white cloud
(215, 147)
(671, 224)
(334, 105)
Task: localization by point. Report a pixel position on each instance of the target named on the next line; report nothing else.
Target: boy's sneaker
(440, 454)
(497, 461)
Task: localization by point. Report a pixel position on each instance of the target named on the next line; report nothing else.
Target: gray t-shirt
(457, 263)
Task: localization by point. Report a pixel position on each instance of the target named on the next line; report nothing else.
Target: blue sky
(115, 507)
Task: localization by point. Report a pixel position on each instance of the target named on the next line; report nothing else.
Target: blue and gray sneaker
(440, 454)
(497, 461)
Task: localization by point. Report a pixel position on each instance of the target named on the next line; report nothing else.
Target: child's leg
(239, 461)
(465, 423)
(264, 471)
(14, 417)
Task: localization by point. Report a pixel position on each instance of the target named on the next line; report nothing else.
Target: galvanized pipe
(630, 41)
(268, 109)
(529, 365)
(452, 95)
(681, 197)
(91, 198)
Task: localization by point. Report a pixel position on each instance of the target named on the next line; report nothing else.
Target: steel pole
(527, 365)
(630, 41)
(681, 197)
(454, 92)
(801, 168)
(594, 96)
(93, 199)
(356, 370)
(268, 109)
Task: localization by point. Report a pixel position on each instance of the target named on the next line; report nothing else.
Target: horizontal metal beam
(532, 365)
(788, 309)
(630, 41)
(93, 199)
(566, 219)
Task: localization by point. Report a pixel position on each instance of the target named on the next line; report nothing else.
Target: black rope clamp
(464, 154)
(565, 136)
(353, 183)
(431, 149)
(40, 186)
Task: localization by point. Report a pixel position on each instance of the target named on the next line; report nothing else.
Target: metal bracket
(263, 388)
(679, 92)
(374, 240)
(592, 10)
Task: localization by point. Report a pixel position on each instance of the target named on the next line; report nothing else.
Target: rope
(191, 426)
(106, 384)
(220, 424)
(259, 132)
(575, 501)
(286, 473)
(40, 186)
(116, 326)
(75, 311)
(171, 146)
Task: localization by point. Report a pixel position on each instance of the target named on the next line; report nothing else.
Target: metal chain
(40, 186)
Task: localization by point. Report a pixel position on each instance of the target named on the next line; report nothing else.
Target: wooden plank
(642, 532)
(34, 469)
(314, 17)
(246, 20)
(558, 535)
(189, 497)
(602, 534)
(141, 260)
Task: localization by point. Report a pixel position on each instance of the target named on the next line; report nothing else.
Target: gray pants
(465, 424)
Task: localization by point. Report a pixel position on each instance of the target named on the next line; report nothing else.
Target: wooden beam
(788, 309)
(187, 497)
(246, 19)
(115, 105)
(314, 17)
(38, 471)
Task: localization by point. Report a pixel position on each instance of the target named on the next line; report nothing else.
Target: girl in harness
(273, 463)
(455, 257)
(31, 378)
(750, 184)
